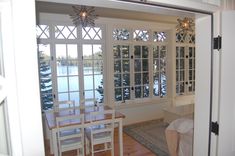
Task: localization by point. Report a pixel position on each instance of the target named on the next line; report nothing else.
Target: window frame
(153, 27)
(79, 42)
(109, 24)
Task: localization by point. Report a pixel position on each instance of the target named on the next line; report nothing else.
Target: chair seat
(98, 138)
(71, 144)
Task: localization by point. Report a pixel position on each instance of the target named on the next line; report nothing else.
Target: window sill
(184, 100)
(140, 103)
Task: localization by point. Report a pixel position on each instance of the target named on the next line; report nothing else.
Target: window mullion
(132, 77)
(53, 63)
(186, 69)
(150, 71)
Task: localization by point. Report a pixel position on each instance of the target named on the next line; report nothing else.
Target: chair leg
(87, 143)
(92, 149)
(112, 148)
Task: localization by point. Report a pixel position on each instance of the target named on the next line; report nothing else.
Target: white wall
(143, 113)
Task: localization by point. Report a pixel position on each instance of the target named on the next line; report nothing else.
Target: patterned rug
(151, 134)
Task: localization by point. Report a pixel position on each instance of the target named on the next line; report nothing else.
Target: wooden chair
(101, 132)
(64, 105)
(70, 136)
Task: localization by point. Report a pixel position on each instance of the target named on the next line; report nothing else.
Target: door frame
(23, 114)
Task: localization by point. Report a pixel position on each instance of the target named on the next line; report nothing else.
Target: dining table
(51, 127)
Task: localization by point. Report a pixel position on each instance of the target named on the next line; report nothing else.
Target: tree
(45, 81)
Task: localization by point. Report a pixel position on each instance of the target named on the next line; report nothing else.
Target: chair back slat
(70, 134)
(64, 105)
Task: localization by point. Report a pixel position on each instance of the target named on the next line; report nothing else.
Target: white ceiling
(60, 8)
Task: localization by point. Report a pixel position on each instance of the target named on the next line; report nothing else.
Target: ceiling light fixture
(84, 16)
(185, 25)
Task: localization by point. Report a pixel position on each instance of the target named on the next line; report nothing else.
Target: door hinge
(217, 42)
(215, 128)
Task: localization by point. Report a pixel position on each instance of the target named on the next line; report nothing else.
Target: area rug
(151, 134)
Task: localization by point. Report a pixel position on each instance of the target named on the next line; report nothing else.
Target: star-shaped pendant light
(84, 16)
(185, 25)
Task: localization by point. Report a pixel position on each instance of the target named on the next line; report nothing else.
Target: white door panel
(226, 138)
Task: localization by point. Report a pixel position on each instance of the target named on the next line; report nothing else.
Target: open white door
(226, 138)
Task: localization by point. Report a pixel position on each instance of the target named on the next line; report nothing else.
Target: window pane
(126, 93)
(74, 96)
(137, 52)
(62, 70)
(88, 82)
(156, 84)
(138, 79)
(125, 53)
(91, 33)
(62, 84)
(116, 52)
(72, 69)
(87, 51)
(97, 51)
(145, 78)
(87, 67)
(182, 52)
(141, 35)
(117, 66)
(155, 52)
(98, 66)
(145, 51)
(42, 31)
(138, 92)
(126, 79)
(137, 65)
(98, 81)
(163, 85)
(73, 83)
(126, 66)
(89, 94)
(117, 80)
(181, 64)
(181, 75)
(159, 36)
(63, 97)
(118, 94)
(65, 32)
(72, 51)
(145, 91)
(121, 34)
(156, 66)
(99, 95)
(145, 65)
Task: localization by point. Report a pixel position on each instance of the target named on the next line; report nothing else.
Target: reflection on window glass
(141, 35)
(121, 34)
(159, 69)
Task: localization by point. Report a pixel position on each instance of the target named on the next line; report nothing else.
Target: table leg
(120, 137)
(51, 142)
